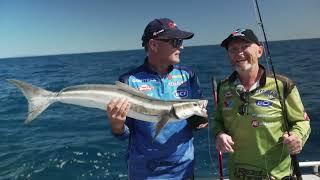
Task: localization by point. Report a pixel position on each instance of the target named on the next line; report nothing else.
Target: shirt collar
(146, 66)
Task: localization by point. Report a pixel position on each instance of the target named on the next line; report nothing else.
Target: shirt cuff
(123, 135)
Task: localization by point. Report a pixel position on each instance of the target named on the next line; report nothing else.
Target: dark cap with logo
(163, 28)
(245, 34)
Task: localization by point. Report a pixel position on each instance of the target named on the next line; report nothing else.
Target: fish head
(185, 110)
(200, 108)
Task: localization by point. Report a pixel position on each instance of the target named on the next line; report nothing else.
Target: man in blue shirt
(171, 154)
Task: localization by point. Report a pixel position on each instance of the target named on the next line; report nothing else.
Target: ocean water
(71, 142)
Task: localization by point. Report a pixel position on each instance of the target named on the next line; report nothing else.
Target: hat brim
(175, 34)
(225, 43)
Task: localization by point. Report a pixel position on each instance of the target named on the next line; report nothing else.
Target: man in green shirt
(249, 123)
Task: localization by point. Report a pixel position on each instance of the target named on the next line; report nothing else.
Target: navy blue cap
(163, 28)
(245, 34)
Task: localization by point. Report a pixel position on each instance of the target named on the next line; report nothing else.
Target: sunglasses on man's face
(176, 43)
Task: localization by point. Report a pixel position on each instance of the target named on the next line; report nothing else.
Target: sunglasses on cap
(176, 43)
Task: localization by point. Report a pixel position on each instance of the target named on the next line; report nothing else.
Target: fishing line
(259, 22)
(210, 143)
(294, 160)
(215, 100)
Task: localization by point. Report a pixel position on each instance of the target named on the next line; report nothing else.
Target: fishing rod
(294, 159)
(215, 98)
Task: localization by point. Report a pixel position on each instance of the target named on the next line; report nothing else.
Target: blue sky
(43, 27)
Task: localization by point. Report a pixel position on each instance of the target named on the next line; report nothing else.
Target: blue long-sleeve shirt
(171, 154)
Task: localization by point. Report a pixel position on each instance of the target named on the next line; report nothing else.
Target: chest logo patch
(175, 83)
(145, 88)
(263, 103)
(181, 93)
(255, 123)
(227, 104)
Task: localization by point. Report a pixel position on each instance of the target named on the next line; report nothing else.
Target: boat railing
(314, 164)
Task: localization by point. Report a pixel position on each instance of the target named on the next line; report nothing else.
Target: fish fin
(163, 121)
(39, 99)
(106, 87)
(134, 91)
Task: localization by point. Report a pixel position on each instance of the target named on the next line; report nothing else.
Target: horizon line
(90, 52)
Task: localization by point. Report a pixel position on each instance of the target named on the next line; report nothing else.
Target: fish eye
(195, 104)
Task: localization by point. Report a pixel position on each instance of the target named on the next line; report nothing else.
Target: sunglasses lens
(176, 43)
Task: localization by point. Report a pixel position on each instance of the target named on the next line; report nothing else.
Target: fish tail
(38, 99)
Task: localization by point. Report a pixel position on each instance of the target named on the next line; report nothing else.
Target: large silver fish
(142, 107)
